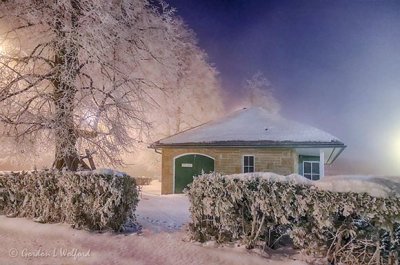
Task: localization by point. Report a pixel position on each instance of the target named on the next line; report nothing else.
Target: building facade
(264, 143)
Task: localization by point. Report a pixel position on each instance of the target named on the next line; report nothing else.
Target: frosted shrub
(143, 181)
(95, 200)
(259, 209)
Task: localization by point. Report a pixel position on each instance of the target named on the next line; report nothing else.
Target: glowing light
(3, 47)
(394, 152)
(396, 147)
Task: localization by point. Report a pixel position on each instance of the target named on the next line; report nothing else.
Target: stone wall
(229, 160)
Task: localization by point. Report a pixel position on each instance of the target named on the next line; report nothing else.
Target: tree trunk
(66, 155)
(66, 62)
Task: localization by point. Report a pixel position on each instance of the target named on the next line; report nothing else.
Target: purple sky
(335, 64)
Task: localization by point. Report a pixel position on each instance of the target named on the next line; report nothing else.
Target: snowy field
(163, 241)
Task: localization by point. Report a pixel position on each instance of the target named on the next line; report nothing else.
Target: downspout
(330, 159)
(330, 156)
(341, 150)
(157, 151)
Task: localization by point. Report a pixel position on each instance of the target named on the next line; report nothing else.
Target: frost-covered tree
(195, 92)
(193, 97)
(260, 93)
(79, 74)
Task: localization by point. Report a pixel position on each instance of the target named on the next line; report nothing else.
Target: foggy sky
(335, 64)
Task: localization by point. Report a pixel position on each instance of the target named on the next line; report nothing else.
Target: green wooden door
(189, 166)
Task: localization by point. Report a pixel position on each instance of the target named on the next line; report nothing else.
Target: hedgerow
(94, 200)
(260, 209)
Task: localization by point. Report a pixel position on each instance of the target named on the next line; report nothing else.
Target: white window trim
(254, 163)
(319, 165)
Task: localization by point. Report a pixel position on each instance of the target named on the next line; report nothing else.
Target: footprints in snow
(162, 223)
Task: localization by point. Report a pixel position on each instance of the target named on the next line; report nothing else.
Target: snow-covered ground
(157, 213)
(163, 241)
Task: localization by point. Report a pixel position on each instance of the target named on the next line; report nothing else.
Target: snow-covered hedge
(143, 181)
(95, 200)
(345, 227)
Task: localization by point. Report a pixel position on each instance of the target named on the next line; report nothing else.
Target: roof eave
(258, 144)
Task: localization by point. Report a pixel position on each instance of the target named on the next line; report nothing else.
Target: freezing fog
(336, 69)
(172, 114)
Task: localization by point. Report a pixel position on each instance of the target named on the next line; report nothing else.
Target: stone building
(248, 140)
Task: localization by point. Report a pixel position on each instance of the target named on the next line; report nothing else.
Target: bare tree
(75, 73)
(195, 91)
(260, 93)
(191, 96)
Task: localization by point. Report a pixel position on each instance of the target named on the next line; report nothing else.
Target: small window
(248, 164)
(311, 170)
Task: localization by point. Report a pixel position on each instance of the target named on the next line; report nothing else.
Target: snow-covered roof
(252, 126)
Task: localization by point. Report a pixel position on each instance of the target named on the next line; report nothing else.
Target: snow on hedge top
(99, 171)
(102, 171)
(375, 186)
(272, 177)
(252, 124)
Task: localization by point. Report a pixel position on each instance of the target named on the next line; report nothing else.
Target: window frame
(311, 173)
(249, 166)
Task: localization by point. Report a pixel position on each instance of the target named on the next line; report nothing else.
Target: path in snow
(156, 213)
(161, 214)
